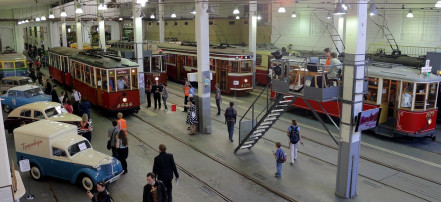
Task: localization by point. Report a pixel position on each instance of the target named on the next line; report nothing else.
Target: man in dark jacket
(154, 190)
(54, 94)
(48, 86)
(102, 196)
(164, 166)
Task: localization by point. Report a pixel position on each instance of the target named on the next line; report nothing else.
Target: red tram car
(231, 68)
(408, 99)
(59, 65)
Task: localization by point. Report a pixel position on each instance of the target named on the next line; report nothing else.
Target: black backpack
(294, 135)
(229, 115)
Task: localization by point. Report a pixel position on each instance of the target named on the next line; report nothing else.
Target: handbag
(109, 142)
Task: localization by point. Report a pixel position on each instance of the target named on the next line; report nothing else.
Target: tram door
(222, 74)
(180, 59)
(388, 101)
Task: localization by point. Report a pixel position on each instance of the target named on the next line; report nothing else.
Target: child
(279, 153)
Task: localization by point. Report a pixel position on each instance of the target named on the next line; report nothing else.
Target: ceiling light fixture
(173, 15)
(26, 21)
(51, 15)
(102, 6)
(120, 19)
(37, 19)
(236, 11)
(152, 16)
(329, 16)
(237, 17)
(19, 22)
(193, 10)
(79, 9)
(293, 15)
(210, 9)
(373, 9)
(438, 4)
(281, 9)
(43, 18)
(410, 14)
(339, 10)
(63, 13)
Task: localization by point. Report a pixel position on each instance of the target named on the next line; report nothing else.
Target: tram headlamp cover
(429, 120)
(156, 78)
(124, 99)
(245, 80)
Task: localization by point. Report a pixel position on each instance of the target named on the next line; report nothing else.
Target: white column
(352, 100)
(19, 41)
(79, 32)
(161, 22)
(137, 35)
(86, 32)
(252, 35)
(63, 32)
(38, 43)
(5, 170)
(45, 37)
(203, 50)
(115, 30)
(54, 34)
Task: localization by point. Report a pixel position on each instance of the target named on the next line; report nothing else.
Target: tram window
(189, 61)
(385, 90)
(245, 66)
(156, 65)
(66, 68)
(92, 76)
(431, 97)
(19, 64)
(112, 80)
(87, 74)
(77, 70)
(371, 96)
(9, 65)
(258, 59)
(134, 80)
(123, 83)
(234, 67)
(171, 58)
(420, 96)
(406, 95)
(212, 65)
(60, 64)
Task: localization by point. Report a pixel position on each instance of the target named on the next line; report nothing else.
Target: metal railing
(413, 51)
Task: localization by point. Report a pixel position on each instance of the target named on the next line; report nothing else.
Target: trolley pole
(139, 54)
(203, 77)
(352, 100)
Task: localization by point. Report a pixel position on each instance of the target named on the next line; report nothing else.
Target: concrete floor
(312, 178)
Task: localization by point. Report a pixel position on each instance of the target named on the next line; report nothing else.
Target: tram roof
(104, 61)
(229, 51)
(12, 56)
(64, 51)
(402, 73)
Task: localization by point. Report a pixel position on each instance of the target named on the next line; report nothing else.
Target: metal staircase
(389, 37)
(333, 33)
(259, 125)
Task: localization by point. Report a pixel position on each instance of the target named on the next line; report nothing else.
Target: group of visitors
(160, 91)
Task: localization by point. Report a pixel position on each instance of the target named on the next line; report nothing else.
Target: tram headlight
(245, 80)
(156, 78)
(124, 99)
(429, 120)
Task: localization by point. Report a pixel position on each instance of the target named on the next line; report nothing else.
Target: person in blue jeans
(277, 156)
(230, 119)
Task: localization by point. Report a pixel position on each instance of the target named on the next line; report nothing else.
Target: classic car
(10, 82)
(55, 149)
(21, 95)
(32, 112)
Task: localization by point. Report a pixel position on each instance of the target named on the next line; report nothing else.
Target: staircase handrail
(252, 105)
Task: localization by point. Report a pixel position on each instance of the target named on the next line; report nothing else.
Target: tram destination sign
(427, 68)
(124, 71)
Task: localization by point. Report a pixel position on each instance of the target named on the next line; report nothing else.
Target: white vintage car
(55, 149)
(35, 111)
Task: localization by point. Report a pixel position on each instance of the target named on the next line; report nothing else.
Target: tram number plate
(156, 75)
(236, 83)
(245, 85)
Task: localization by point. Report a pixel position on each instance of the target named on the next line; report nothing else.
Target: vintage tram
(408, 99)
(231, 68)
(59, 65)
(154, 64)
(106, 80)
(13, 64)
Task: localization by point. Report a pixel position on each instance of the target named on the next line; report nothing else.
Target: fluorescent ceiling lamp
(339, 10)
(120, 19)
(37, 19)
(51, 15)
(79, 9)
(281, 9)
(63, 13)
(438, 4)
(329, 16)
(293, 15)
(152, 16)
(237, 18)
(410, 14)
(193, 10)
(210, 9)
(43, 18)
(373, 9)
(173, 15)
(236, 11)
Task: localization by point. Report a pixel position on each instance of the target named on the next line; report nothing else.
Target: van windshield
(55, 111)
(78, 147)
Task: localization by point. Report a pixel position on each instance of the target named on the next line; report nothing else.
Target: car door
(20, 99)
(12, 99)
(59, 164)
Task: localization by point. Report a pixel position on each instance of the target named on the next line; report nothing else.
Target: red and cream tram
(59, 66)
(154, 64)
(407, 98)
(106, 80)
(231, 68)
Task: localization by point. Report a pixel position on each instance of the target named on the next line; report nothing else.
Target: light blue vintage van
(55, 149)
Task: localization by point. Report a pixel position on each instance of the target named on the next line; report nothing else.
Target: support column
(78, 24)
(38, 43)
(5, 170)
(252, 35)
(19, 39)
(161, 22)
(54, 34)
(203, 50)
(63, 32)
(352, 100)
(115, 31)
(30, 42)
(46, 38)
(86, 32)
(139, 54)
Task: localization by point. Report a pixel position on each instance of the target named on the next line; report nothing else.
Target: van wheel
(7, 108)
(86, 182)
(36, 172)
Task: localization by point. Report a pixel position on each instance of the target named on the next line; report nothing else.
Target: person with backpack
(230, 119)
(294, 138)
(280, 156)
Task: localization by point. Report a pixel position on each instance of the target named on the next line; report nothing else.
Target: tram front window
(9, 65)
(156, 64)
(20, 64)
(122, 83)
(245, 67)
(234, 67)
(406, 95)
(431, 98)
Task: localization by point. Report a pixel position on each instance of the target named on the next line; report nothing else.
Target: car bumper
(113, 179)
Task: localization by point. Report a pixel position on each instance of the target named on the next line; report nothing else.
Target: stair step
(288, 96)
(282, 105)
(258, 131)
(285, 101)
(270, 119)
(246, 146)
(258, 135)
(267, 123)
(253, 141)
(253, 138)
(277, 110)
(262, 127)
(274, 114)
